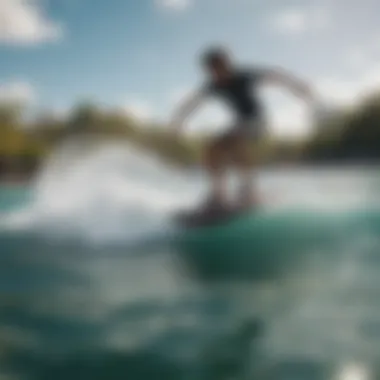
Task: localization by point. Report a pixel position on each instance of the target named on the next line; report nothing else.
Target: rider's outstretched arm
(187, 108)
(283, 78)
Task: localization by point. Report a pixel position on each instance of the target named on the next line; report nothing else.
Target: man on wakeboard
(238, 88)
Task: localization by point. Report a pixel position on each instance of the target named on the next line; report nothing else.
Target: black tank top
(240, 93)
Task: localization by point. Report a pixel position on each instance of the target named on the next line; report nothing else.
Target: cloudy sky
(142, 54)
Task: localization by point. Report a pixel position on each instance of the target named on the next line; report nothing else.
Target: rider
(238, 87)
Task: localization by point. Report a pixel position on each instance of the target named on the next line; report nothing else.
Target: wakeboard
(208, 218)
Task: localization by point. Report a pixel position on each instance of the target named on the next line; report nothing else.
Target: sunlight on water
(354, 371)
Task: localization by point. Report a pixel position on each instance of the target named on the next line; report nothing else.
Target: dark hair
(213, 56)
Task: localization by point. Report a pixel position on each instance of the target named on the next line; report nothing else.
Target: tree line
(351, 135)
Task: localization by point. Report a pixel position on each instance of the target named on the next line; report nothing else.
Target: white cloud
(290, 21)
(24, 22)
(291, 118)
(138, 109)
(16, 92)
(300, 20)
(174, 5)
(349, 91)
(338, 90)
(286, 115)
(361, 64)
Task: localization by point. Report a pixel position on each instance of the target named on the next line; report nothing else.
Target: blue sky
(141, 55)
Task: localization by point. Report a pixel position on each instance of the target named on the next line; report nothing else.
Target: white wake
(103, 192)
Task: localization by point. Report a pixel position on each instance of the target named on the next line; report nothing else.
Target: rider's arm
(285, 79)
(188, 107)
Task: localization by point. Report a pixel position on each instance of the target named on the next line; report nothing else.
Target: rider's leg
(244, 163)
(215, 164)
(248, 133)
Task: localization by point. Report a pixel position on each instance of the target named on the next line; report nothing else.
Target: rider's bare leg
(215, 164)
(244, 164)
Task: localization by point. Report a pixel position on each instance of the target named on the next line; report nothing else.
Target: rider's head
(217, 62)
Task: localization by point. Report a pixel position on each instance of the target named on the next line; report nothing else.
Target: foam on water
(102, 192)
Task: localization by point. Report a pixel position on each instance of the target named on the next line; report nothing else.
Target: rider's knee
(213, 155)
(243, 158)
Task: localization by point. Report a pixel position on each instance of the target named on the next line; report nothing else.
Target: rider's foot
(214, 203)
(247, 199)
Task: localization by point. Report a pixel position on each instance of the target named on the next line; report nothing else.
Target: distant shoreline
(343, 164)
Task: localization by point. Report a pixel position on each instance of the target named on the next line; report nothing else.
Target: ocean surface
(97, 282)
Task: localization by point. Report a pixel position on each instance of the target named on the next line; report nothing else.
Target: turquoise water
(12, 197)
(97, 283)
